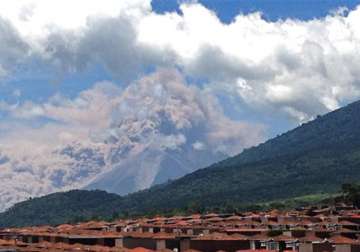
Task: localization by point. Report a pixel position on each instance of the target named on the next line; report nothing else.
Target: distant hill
(65, 207)
(314, 158)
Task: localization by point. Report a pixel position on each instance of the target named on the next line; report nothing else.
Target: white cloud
(38, 17)
(308, 67)
(288, 65)
(198, 145)
(13, 49)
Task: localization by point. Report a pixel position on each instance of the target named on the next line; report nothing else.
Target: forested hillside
(57, 208)
(315, 158)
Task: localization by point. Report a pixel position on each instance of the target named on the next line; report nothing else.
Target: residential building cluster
(312, 229)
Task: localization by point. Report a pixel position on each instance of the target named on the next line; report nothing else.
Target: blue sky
(272, 9)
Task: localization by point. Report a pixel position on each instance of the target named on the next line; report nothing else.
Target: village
(310, 229)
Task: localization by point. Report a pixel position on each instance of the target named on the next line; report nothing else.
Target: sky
(70, 71)
(32, 78)
(272, 10)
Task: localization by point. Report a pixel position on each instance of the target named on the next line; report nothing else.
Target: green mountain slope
(57, 208)
(314, 158)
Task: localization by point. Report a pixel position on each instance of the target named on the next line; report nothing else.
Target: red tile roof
(339, 239)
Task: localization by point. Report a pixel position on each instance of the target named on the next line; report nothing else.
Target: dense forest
(313, 159)
(81, 205)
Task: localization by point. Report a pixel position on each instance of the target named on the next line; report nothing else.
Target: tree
(351, 194)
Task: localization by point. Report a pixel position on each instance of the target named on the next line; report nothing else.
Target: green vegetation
(80, 205)
(307, 200)
(298, 167)
(351, 194)
(57, 208)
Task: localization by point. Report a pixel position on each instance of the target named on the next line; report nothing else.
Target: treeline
(80, 206)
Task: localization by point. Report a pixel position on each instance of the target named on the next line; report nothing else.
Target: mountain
(151, 151)
(314, 158)
(156, 129)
